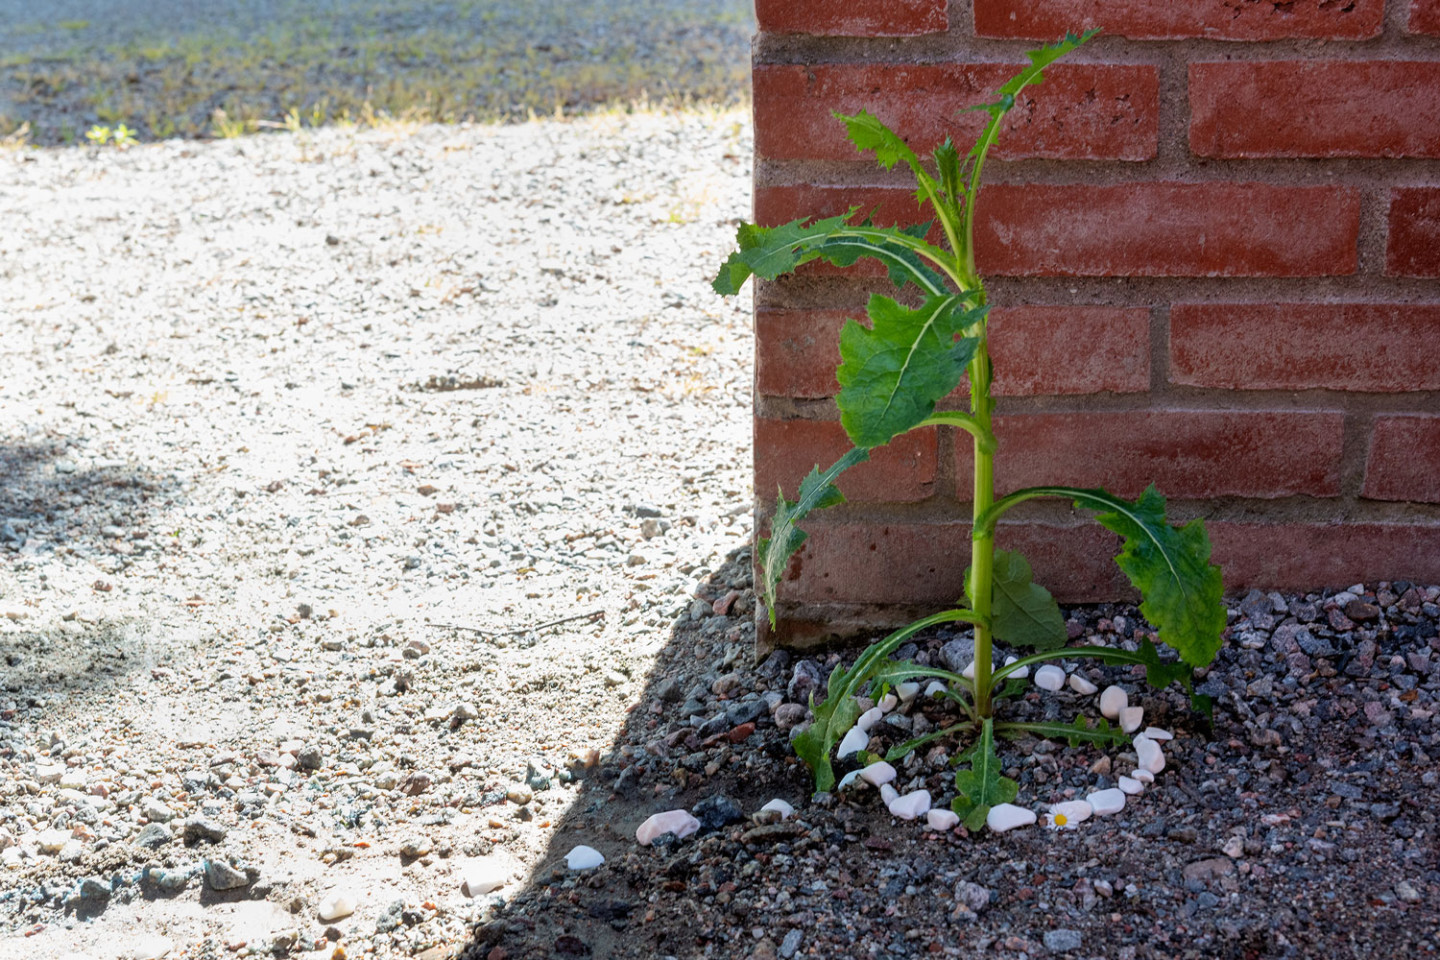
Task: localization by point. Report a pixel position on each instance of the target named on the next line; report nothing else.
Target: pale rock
(781, 807)
(48, 773)
(1050, 677)
(878, 773)
(941, 819)
(1148, 754)
(1007, 816)
(336, 906)
(911, 805)
(1156, 734)
(1234, 847)
(147, 946)
(584, 858)
(907, 691)
(869, 718)
(1106, 802)
(486, 876)
(72, 779)
(72, 852)
(888, 702)
(51, 841)
(1131, 718)
(848, 779)
(1112, 701)
(852, 743)
(1130, 785)
(1144, 776)
(969, 672)
(888, 794)
(1020, 674)
(1068, 815)
(156, 810)
(1082, 686)
(678, 822)
(935, 689)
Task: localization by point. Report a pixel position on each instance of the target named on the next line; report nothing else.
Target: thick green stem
(982, 548)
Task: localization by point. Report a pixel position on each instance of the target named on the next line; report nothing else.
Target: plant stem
(982, 547)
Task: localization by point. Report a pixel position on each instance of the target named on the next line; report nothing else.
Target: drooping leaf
(903, 264)
(902, 750)
(981, 787)
(1023, 613)
(1158, 673)
(1014, 687)
(1074, 733)
(817, 491)
(894, 372)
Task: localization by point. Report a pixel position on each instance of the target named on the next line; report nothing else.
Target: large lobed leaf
(833, 719)
(894, 372)
(981, 787)
(1023, 613)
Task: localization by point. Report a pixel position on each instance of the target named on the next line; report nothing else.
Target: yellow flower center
(1061, 820)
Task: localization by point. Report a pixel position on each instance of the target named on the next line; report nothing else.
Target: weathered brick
(1198, 19)
(1308, 556)
(1315, 108)
(1373, 347)
(1082, 111)
(1413, 246)
(1140, 229)
(854, 18)
(1036, 351)
(787, 450)
(1425, 17)
(1189, 454)
(1404, 460)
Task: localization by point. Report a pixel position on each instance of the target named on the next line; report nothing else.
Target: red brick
(787, 450)
(1162, 20)
(1140, 229)
(853, 18)
(1374, 347)
(1425, 17)
(1309, 556)
(1082, 112)
(1188, 454)
(1036, 351)
(1315, 108)
(1404, 461)
(1413, 248)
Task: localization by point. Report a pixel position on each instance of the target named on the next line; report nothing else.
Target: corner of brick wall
(1212, 240)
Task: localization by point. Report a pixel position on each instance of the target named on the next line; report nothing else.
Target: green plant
(98, 135)
(892, 375)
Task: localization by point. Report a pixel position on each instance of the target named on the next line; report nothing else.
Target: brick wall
(1212, 239)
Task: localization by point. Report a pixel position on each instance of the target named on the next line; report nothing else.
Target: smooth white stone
(781, 807)
(848, 779)
(584, 858)
(869, 718)
(1131, 718)
(1049, 677)
(888, 702)
(1131, 785)
(1020, 674)
(1112, 701)
(1082, 686)
(852, 743)
(678, 822)
(1007, 816)
(1106, 802)
(148, 946)
(337, 906)
(1148, 754)
(969, 672)
(941, 819)
(482, 877)
(878, 773)
(51, 841)
(910, 806)
(1155, 733)
(1144, 776)
(907, 691)
(888, 794)
(1073, 812)
(935, 688)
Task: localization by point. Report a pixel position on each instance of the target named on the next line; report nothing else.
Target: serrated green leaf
(947, 164)
(894, 372)
(981, 787)
(868, 134)
(1023, 612)
(1014, 687)
(902, 750)
(1074, 733)
(817, 491)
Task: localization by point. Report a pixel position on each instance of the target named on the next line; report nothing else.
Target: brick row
(1425, 17)
(853, 18)
(1374, 347)
(1413, 245)
(1190, 19)
(787, 450)
(1404, 459)
(1082, 111)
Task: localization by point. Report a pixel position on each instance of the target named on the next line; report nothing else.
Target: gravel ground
(276, 413)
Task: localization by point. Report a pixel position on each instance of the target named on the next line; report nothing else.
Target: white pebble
(1069, 814)
(148, 946)
(1112, 701)
(50, 841)
(1082, 686)
(678, 822)
(1131, 718)
(869, 718)
(482, 877)
(969, 672)
(878, 773)
(888, 702)
(852, 743)
(1155, 733)
(935, 689)
(1106, 802)
(907, 691)
(1144, 776)
(584, 858)
(888, 794)
(848, 779)
(1007, 816)
(911, 805)
(1130, 785)
(1049, 677)
(337, 906)
(1149, 755)
(1020, 674)
(781, 807)
(941, 819)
